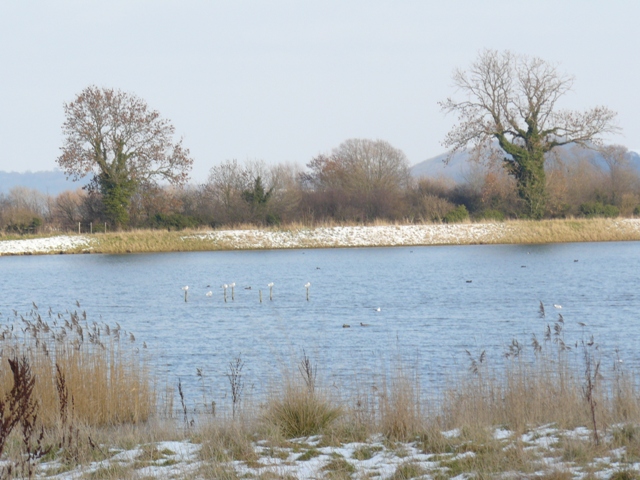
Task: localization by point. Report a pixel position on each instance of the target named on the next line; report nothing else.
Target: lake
(422, 305)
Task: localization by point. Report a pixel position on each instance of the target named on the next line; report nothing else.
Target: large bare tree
(368, 174)
(512, 100)
(124, 144)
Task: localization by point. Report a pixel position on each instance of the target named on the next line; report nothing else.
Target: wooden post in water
(270, 291)
(307, 285)
(260, 294)
(186, 292)
(233, 295)
(225, 292)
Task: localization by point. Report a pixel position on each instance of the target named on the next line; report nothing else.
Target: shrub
(272, 219)
(173, 221)
(457, 215)
(491, 214)
(598, 209)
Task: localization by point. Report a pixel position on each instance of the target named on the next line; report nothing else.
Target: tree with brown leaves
(124, 144)
(511, 99)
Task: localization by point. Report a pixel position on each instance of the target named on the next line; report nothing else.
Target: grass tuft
(300, 412)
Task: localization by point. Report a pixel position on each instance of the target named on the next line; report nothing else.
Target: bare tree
(368, 174)
(223, 191)
(68, 207)
(511, 99)
(117, 138)
(621, 176)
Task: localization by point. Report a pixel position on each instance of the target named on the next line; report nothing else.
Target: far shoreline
(349, 236)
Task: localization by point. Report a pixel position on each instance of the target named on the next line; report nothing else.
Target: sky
(286, 80)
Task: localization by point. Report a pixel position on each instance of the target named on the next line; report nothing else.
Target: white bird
(555, 305)
(270, 284)
(225, 286)
(185, 288)
(307, 285)
(378, 309)
(209, 293)
(233, 284)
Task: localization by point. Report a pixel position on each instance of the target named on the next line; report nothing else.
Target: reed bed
(90, 371)
(93, 391)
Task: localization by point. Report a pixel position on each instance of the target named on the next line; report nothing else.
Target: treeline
(361, 181)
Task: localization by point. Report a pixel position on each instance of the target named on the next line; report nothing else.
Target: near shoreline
(511, 232)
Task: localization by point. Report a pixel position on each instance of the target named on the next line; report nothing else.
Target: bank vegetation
(76, 395)
(339, 188)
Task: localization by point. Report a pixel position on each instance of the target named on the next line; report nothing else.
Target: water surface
(434, 303)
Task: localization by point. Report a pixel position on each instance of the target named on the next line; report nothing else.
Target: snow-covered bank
(62, 243)
(546, 231)
(360, 236)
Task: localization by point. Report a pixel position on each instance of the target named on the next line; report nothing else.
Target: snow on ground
(359, 236)
(322, 237)
(305, 458)
(43, 245)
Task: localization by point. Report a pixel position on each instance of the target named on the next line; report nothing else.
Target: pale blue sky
(286, 80)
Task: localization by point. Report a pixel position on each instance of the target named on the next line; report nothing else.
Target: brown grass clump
(84, 372)
(400, 416)
(298, 412)
(227, 441)
(301, 409)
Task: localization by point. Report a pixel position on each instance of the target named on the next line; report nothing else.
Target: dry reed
(92, 385)
(85, 370)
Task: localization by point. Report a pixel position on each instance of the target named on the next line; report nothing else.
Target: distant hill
(459, 167)
(52, 182)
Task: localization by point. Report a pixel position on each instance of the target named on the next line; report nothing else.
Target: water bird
(575, 261)
(555, 305)
(378, 309)
(307, 285)
(469, 281)
(346, 325)
(582, 324)
(364, 324)
(247, 288)
(209, 293)
(523, 266)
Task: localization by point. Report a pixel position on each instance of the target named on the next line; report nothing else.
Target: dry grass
(571, 230)
(85, 372)
(514, 232)
(510, 232)
(110, 402)
(299, 412)
(399, 416)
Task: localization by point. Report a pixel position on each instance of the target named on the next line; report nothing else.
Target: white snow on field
(43, 245)
(359, 236)
(322, 237)
(305, 459)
